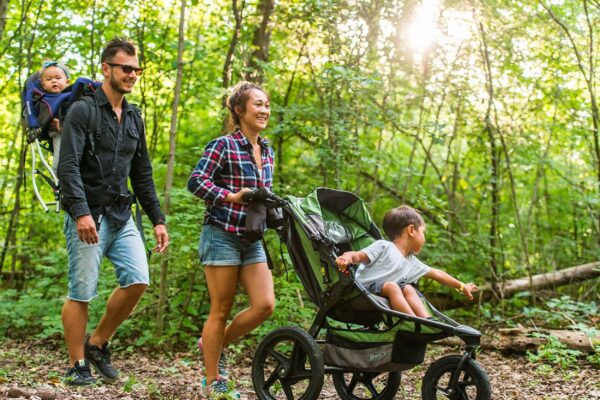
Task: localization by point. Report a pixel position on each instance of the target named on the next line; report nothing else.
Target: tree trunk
(261, 41)
(3, 11)
(228, 65)
(164, 267)
(509, 288)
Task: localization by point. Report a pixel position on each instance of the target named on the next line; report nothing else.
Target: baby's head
(405, 221)
(54, 77)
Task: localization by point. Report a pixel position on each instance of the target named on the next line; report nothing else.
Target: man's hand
(86, 229)
(162, 238)
(468, 289)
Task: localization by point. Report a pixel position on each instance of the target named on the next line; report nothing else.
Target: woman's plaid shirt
(227, 166)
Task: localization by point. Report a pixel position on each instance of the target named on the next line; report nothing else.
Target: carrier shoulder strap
(139, 123)
(94, 122)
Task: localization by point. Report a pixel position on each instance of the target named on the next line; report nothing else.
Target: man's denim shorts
(218, 247)
(123, 247)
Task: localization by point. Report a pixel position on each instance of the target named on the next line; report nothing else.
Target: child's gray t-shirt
(388, 264)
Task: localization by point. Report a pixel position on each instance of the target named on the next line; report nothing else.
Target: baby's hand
(343, 261)
(469, 288)
(55, 124)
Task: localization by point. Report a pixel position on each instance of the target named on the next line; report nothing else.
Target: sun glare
(430, 25)
(423, 30)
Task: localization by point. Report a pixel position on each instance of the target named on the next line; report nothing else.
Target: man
(103, 144)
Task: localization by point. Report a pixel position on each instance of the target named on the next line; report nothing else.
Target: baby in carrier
(54, 78)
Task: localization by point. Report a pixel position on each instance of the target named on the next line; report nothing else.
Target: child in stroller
(389, 268)
(356, 336)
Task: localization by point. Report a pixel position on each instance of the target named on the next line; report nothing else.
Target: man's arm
(71, 150)
(447, 280)
(143, 187)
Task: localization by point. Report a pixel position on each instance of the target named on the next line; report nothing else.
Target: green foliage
(554, 352)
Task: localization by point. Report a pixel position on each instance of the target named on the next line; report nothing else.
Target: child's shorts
(377, 287)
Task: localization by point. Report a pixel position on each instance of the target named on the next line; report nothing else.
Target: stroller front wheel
(472, 382)
(366, 385)
(288, 364)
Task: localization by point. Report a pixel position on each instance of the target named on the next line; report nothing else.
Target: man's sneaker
(219, 389)
(80, 374)
(222, 361)
(100, 359)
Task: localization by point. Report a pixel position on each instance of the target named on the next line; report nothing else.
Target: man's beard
(116, 86)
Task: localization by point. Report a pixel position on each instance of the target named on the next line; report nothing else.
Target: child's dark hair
(237, 99)
(399, 218)
(114, 46)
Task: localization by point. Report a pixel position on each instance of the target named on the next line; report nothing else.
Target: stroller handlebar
(264, 196)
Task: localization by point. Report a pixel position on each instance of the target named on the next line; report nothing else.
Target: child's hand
(468, 289)
(343, 261)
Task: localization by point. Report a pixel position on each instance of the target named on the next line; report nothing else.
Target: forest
(483, 115)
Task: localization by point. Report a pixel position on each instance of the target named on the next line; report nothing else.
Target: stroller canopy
(323, 221)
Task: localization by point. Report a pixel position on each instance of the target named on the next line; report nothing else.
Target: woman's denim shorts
(218, 247)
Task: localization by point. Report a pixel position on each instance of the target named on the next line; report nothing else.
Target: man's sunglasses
(128, 68)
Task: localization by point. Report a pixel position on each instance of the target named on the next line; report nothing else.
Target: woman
(230, 166)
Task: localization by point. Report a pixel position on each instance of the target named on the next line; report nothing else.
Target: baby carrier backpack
(39, 109)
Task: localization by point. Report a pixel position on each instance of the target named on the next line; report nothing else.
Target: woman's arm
(351, 257)
(447, 280)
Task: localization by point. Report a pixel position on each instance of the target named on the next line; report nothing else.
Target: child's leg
(415, 302)
(393, 293)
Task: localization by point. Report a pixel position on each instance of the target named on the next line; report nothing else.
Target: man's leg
(84, 261)
(128, 255)
(258, 283)
(74, 319)
(119, 306)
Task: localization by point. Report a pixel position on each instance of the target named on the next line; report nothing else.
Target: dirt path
(33, 371)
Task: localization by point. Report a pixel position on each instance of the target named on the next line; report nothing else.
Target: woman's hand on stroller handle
(262, 195)
(238, 197)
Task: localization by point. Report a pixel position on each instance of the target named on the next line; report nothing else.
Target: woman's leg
(415, 302)
(392, 291)
(258, 284)
(222, 284)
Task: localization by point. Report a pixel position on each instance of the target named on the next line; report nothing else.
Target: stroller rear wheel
(366, 385)
(472, 382)
(288, 364)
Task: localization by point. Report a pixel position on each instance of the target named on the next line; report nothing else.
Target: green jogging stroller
(356, 337)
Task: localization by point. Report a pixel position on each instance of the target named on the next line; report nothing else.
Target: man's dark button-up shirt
(88, 178)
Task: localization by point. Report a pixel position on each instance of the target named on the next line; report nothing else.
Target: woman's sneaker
(219, 389)
(222, 361)
(80, 374)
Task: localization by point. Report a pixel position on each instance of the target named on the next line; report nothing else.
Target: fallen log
(507, 289)
(520, 340)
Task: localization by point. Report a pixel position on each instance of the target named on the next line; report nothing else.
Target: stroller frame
(341, 288)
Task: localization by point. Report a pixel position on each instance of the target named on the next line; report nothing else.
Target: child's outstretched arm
(351, 257)
(446, 279)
